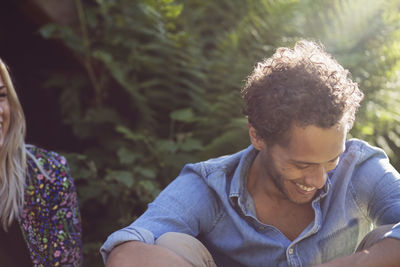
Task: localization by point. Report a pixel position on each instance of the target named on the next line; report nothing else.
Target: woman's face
(4, 111)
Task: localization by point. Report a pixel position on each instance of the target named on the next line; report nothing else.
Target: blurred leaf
(48, 30)
(191, 144)
(184, 115)
(127, 156)
(130, 134)
(146, 172)
(167, 146)
(123, 177)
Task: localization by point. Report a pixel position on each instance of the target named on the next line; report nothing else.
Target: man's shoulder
(225, 163)
(367, 160)
(361, 151)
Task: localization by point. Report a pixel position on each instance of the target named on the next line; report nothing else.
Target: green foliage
(162, 84)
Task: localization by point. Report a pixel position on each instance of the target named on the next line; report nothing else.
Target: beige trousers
(197, 254)
(188, 248)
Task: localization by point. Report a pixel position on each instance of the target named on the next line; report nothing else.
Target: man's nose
(317, 177)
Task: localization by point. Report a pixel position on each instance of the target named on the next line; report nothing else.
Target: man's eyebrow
(313, 163)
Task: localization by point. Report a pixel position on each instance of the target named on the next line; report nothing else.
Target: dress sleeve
(65, 215)
(52, 220)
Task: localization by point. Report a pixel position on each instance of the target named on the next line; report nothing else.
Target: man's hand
(135, 253)
(385, 253)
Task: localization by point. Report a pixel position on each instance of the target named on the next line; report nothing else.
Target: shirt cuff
(394, 233)
(126, 234)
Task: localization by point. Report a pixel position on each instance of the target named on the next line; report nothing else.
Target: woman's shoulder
(47, 167)
(45, 158)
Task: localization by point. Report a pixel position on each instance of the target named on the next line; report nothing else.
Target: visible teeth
(305, 188)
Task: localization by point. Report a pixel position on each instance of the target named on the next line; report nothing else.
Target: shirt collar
(328, 184)
(238, 187)
(238, 183)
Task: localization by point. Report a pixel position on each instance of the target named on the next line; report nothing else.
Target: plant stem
(88, 59)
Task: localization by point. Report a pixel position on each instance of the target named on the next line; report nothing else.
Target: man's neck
(261, 184)
(274, 208)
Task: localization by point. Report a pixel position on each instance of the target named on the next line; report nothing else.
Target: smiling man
(299, 195)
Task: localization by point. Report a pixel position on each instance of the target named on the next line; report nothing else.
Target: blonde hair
(12, 158)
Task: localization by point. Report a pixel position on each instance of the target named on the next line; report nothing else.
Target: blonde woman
(39, 216)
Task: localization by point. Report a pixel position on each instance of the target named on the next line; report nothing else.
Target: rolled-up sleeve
(186, 205)
(129, 233)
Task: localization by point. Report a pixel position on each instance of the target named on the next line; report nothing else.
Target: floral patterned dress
(51, 223)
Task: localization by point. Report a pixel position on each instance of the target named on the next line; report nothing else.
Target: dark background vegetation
(130, 90)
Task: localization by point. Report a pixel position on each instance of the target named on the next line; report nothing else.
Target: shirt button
(290, 251)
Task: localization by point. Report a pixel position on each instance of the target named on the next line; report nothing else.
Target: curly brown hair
(301, 86)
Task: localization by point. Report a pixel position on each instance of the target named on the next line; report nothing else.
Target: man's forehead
(313, 144)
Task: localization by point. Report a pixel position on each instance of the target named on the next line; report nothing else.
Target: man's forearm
(135, 253)
(385, 253)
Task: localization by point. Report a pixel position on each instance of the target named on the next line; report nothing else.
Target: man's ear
(257, 141)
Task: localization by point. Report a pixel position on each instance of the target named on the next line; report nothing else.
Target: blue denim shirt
(209, 200)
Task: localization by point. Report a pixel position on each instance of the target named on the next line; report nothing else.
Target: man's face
(300, 168)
